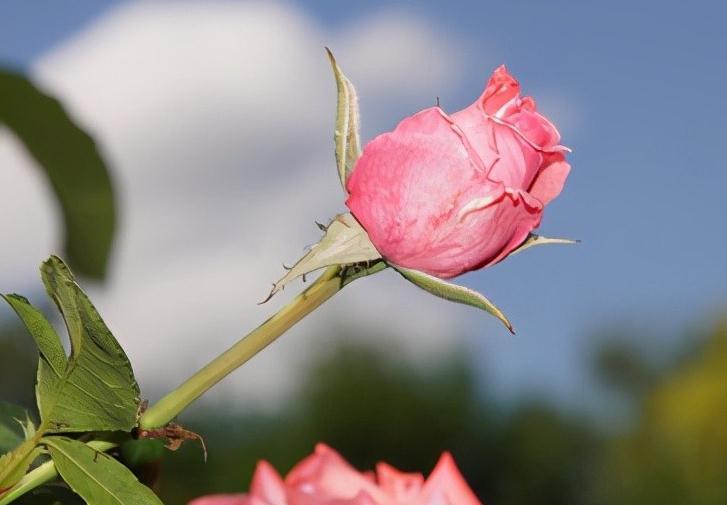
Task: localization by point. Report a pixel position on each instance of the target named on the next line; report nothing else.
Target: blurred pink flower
(325, 478)
(449, 194)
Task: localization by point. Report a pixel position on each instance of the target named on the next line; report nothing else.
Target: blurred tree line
(372, 406)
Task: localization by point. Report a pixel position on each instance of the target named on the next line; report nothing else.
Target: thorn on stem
(270, 295)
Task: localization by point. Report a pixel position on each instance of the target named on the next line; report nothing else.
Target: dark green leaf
(52, 362)
(72, 164)
(95, 476)
(94, 389)
(453, 292)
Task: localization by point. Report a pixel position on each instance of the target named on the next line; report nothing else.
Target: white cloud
(217, 121)
(29, 230)
(395, 53)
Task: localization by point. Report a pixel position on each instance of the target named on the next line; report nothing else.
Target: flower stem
(44, 473)
(328, 284)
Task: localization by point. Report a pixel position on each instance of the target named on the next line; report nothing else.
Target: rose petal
(507, 133)
(479, 132)
(431, 194)
(409, 185)
(400, 486)
(362, 498)
(510, 223)
(446, 486)
(268, 485)
(502, 88)
(536, 129)
(326, 475)
(549, 182)
(517, 162)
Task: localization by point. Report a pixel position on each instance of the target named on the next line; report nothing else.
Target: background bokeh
(215, 119)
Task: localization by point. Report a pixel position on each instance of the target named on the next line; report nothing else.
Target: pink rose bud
(326, 478)
(448, 194)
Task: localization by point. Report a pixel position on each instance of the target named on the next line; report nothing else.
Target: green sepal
(534, 240)
(453, 292)
(352, 272)
(345, 242)
(346, 133)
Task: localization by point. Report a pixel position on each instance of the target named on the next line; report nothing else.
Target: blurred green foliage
(18, 363)
(677, 450)
(374, 406)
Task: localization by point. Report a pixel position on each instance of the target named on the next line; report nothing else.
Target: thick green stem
(328, 284)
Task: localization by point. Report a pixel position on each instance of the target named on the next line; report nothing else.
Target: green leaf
(73, 165)
(453, 292)
(92, 390)
(95, 476)
(345, 242)
(345, 136)
(534, 240)
(15, 424)
(52, 362)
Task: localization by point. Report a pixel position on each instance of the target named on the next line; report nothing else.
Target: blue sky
(636, 90)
